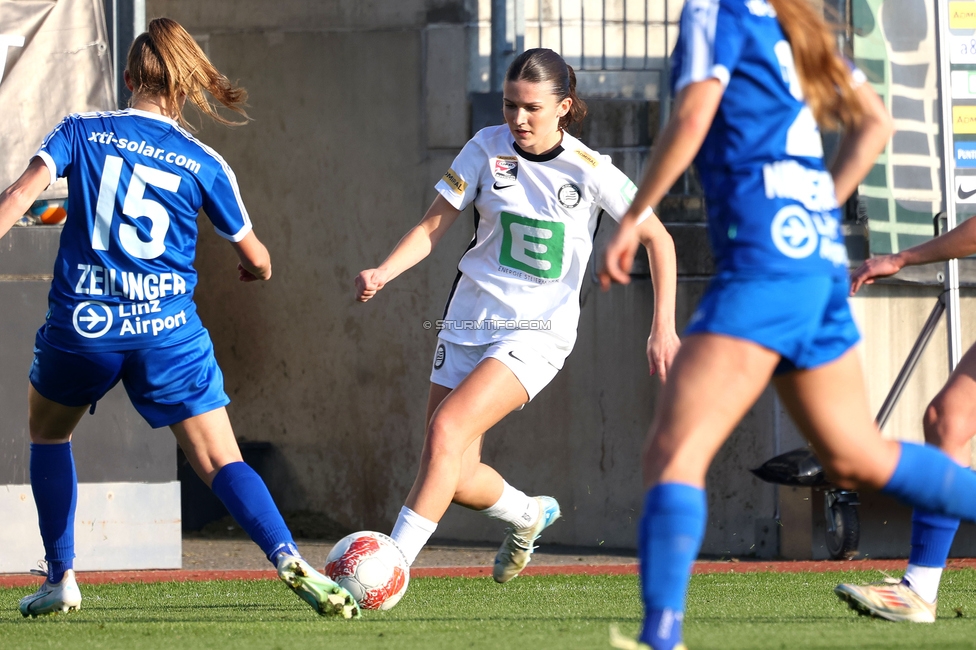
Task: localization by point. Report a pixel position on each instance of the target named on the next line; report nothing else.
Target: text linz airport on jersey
(149, 288)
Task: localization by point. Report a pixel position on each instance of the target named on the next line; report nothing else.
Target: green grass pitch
(726, 611)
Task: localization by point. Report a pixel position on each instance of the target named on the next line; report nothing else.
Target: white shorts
(453, 362)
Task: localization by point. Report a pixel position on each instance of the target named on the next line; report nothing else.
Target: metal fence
(603, 35)
(619, 48)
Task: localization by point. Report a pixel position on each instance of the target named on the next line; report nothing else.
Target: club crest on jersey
(569, 195)
(505, 171)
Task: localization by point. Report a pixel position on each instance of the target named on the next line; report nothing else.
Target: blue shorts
(165, 384)
(806, 319)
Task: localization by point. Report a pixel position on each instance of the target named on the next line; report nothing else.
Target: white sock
(411, 532)
(514, 507)
(924, 581)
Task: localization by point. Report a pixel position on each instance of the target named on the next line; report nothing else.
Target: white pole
(953, 325)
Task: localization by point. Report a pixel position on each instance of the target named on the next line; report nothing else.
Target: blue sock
(671, 533)
(250, 504)
(55, 487)
(932, 536)
(927, 478)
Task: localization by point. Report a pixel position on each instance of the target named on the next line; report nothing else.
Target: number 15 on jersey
(135, 206)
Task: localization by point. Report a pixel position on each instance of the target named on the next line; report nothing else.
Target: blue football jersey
(771, 203)
(124, 275)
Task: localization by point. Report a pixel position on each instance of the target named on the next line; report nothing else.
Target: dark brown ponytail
(541, 65)
(577, 111)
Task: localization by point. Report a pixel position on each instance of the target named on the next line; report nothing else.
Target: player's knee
(673, 458)
(465, 484)
(47, 430)
(944, 426)
(442, 439)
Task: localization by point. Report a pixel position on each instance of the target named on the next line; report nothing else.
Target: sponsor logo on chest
(532, 248)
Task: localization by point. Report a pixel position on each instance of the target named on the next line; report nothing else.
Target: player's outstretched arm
(663, 342)
(855, 156)
(958, 242)
(861, 144)
(673, 152)
(255, 259)
(415, 246)
(17, 199)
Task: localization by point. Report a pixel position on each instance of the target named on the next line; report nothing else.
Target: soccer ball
(371, 567)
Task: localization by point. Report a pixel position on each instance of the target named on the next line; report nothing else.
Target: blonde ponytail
(825, 78)
(166, 62)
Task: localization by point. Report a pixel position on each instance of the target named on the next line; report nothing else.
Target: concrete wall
(356, 114)
(358, 108)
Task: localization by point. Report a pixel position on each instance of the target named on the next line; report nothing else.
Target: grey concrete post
(507, 37)
(125, 19)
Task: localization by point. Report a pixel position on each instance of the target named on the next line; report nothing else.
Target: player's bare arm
(255, 260)
(17, 199)
(415, 246)
(861, 144)
(673, 152)
(856, 155)
(663, 341)
(958, 242)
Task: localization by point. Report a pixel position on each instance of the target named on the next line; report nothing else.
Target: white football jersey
(535, 218)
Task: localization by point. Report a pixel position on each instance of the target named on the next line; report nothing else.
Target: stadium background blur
(359, 106)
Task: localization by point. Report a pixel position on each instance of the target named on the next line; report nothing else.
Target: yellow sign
(962, 15)
(964, 119)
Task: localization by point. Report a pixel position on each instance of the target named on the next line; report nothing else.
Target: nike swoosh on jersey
(501, 187)
(965, 195)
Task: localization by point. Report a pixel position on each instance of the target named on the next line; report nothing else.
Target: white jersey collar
(152, 116)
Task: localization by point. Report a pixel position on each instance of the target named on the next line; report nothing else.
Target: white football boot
(891, 600)
(516, 549)
(323, 594)
(50, 598)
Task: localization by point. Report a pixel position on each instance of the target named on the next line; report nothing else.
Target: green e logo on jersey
(533, 246)
(628, 191)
